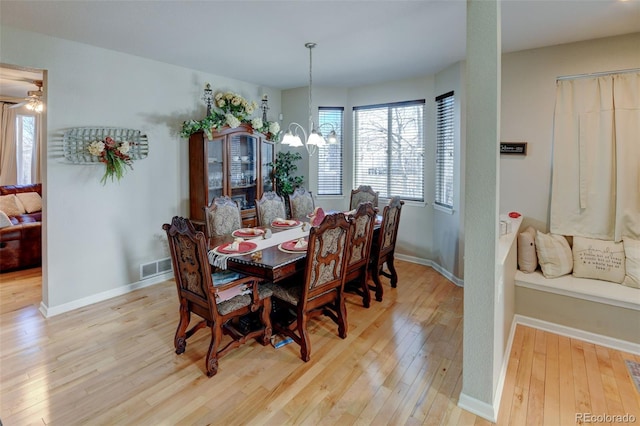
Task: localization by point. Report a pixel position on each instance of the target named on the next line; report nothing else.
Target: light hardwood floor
(114, 363)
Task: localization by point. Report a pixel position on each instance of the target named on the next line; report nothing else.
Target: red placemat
(248, 232)
(285, 224)
(243, 247)
(291, 245)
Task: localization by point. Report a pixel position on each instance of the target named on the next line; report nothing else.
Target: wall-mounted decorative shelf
(76, 141)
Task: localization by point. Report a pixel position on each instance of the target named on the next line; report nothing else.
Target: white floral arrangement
(231, 110)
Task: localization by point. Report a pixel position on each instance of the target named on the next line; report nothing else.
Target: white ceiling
(359, 42)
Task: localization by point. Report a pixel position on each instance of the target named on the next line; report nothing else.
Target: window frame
(416, 160)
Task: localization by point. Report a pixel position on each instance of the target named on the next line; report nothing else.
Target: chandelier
(315, 139)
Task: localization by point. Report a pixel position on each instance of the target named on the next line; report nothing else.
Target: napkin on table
(317, 217)
(235, 246)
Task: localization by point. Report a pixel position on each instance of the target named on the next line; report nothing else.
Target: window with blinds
(444, 150)
(330, 156)
(389, 148)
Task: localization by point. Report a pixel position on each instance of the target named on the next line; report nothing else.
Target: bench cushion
(582, 288)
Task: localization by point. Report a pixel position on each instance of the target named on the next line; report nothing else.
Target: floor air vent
(157, 267)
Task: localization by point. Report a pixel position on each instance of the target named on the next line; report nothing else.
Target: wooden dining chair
(198, 290)
(222, 216)
(270, 207)
(301, 203)
(362, 226)
(383, 247)
(321, 288)
(362, 194)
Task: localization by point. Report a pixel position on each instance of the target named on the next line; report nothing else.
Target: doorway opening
(22, 152)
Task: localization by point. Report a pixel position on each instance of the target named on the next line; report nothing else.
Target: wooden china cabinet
(235, 162)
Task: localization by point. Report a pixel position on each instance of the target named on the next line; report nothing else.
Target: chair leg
(366, 295)
(212, 354)
(375, 277)
(342, 317)
(180, 339)
(305, 344)
(392, 270)
(266, 321)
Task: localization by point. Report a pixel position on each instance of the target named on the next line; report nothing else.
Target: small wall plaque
(519, 148)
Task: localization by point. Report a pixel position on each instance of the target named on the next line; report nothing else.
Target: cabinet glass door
(215, 169)
(267, 157)
(243, 169)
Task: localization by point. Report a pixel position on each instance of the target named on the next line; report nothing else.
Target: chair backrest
(327, 255)
(191, 268)
(362, 194)
(222, 217)
(362, 224)
(301, 203)
(270, 207)
(386, 242)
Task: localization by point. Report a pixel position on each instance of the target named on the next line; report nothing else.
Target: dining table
(268, 260)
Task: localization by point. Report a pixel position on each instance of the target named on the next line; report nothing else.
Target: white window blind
(389, 148)
(330, 156)
(444, 150)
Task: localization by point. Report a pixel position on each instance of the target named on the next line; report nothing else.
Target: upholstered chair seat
(199, 290)
(320, 289)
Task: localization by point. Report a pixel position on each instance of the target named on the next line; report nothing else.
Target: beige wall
(528, 98)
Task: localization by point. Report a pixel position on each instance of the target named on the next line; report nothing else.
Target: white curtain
(8, 164)
(596, 157)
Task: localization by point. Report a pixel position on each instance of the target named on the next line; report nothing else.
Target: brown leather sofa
(21, 244)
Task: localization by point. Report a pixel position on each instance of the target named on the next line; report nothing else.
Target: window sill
(443, 209)
(329, 197)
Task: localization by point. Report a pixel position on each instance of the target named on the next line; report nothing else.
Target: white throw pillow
(632, 262)
(11, 205)
(527, 257)
(4, 220)
(31, 201)
(598, 259)
(554, 255)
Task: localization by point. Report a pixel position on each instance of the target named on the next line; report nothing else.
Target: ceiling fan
(33, 101)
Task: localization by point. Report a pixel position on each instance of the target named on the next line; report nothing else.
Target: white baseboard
(426, 262)
(586, 336)
(482, 409)
(477, 407)
(49, 311)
